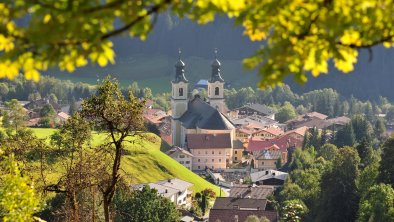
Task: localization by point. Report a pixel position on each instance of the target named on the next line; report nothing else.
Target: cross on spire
(216, 52)
(179, 53)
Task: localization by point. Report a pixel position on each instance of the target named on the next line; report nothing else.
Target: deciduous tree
(120, 118)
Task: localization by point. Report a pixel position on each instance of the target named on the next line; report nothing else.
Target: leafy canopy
(296, 37)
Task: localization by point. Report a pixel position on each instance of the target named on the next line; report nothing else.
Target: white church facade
(199, 125)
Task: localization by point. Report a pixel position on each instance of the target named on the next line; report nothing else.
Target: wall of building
(211, 158)
(237, 155)
(265, 164)
(183, 159)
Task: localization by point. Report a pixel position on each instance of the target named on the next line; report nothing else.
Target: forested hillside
(151, 64)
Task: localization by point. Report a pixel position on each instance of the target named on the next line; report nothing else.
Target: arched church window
(216, 91)
(180, 91)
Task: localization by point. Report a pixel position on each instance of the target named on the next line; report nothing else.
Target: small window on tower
(180, 91)
(216, 91)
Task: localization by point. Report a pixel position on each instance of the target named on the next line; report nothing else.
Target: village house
(213, 151)
(269, 177)
(268, 159)
(40, 103)
(62, 117)
(238, 149)
(255, 122)
(318, 120)
(176, 190)
(253, 192)
(226, 209)
(154, 116)
(283, 143)
(268, 133)
(182, 156)
(252, 109)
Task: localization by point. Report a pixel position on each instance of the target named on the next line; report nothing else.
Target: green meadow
(144, 162)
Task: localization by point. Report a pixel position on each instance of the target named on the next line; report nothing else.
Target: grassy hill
(143, 163)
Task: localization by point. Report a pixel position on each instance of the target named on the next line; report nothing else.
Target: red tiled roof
(282, 142)
(205, 141)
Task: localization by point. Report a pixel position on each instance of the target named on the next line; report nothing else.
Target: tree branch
(153, 9)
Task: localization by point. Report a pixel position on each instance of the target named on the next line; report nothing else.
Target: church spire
(180, 69)
(215, 76)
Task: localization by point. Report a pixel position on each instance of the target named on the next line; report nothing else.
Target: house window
(213, 160)
(206, 152)
(220, 152)
(180, 91)
(216, 91)
(198, 167)
(181, 156)
(220, 160)
(181, 162)
(236, 152)
(213, 152)
(187, 162)
(198, 160)
(235, 158)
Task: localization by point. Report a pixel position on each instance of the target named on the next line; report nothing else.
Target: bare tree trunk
(75, 207)
(106, 210)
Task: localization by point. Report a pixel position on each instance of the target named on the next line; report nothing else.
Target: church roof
(180, 72)
(201, 115)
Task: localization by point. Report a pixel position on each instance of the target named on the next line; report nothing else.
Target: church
(199, 125)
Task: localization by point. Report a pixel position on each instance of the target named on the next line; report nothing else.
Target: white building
(174, 189)
(182, 156)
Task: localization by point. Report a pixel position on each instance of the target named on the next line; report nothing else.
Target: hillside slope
(144, 162)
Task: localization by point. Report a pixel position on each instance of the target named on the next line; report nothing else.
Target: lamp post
(220, 189)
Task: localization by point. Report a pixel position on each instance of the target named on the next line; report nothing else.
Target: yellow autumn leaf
(102, 61)
(47, 18)
(346, 63)
(351, 37)
(32, 74)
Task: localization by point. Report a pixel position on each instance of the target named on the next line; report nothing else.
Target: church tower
(179, 100)
(216, 86)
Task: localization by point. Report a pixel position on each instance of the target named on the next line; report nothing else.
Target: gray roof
(261, 108)
(200, 114)
(176, 150)
(268, 174)
(167, 188)
(253, 192)
(229, 203)
(269, 155)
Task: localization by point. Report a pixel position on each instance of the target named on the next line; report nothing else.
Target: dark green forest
(151, 62)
